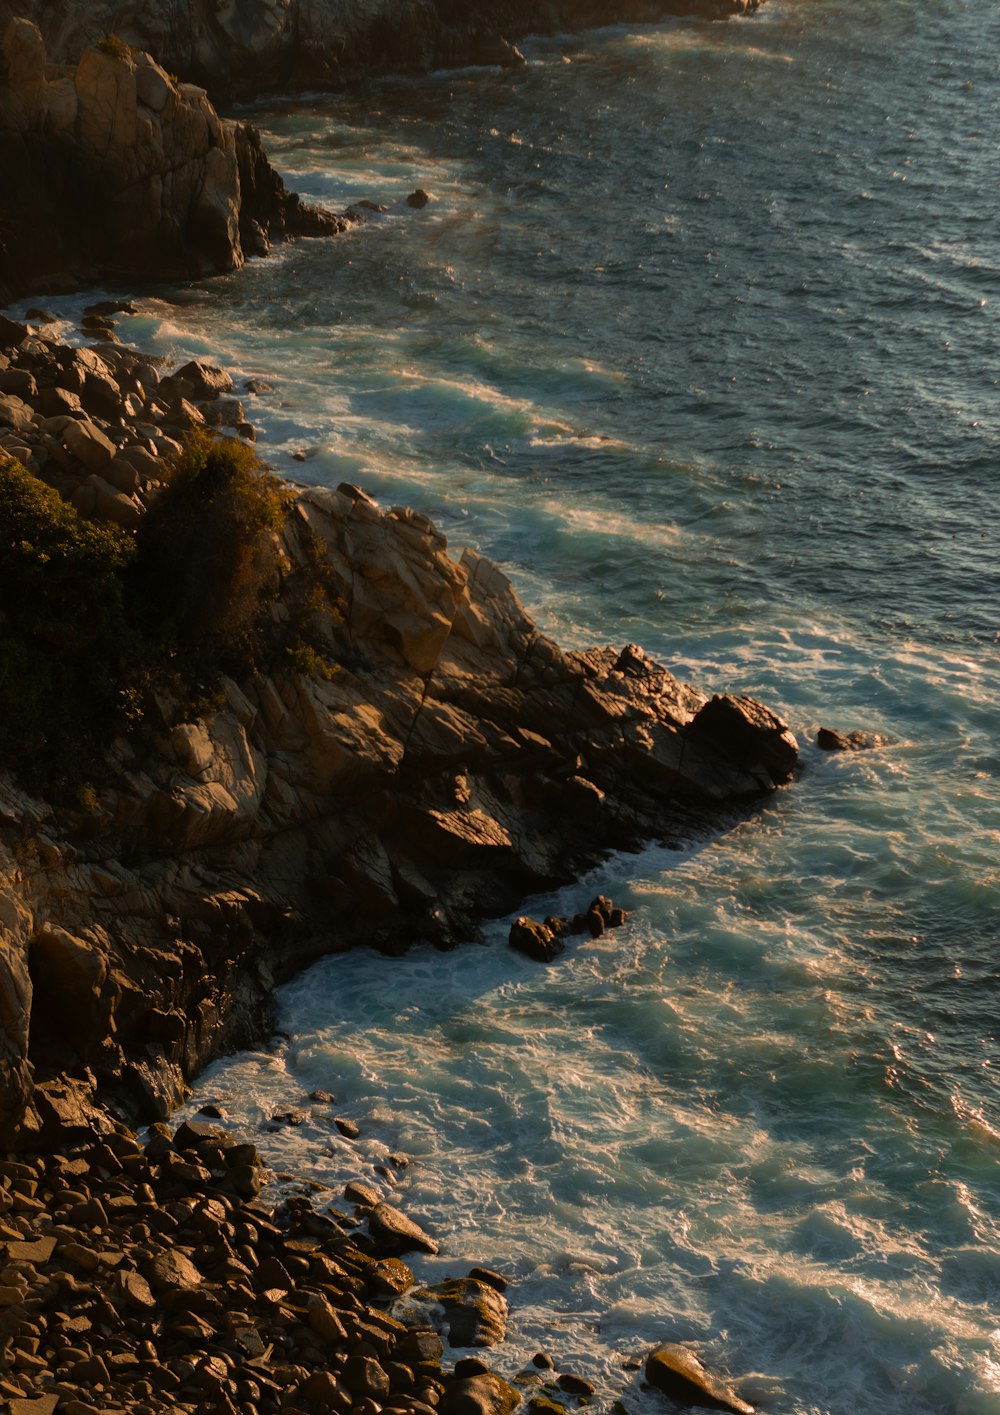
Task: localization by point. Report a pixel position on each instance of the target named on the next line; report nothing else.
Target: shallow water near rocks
(699, 341)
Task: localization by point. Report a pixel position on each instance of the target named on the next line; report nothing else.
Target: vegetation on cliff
(93, 617)
(66, 649)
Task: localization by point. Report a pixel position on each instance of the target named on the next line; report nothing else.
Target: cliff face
(260, 44)
(457, 761)
(114, 168)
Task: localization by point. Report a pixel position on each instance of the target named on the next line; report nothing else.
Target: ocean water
(699, 340)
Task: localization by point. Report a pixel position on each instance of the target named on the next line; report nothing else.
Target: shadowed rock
(116, 168)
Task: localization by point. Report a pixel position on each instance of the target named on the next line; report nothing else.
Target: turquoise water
(699, 339)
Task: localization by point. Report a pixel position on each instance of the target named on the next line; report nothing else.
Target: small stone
(543, 1361)
(347, 1128)
(133, 1288)
(470, 1366)
(171, 1270)
(324, 1389)
(482, 1394)
(36, 1405)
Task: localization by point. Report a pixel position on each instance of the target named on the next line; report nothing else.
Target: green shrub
(208, 563)
(66, 658)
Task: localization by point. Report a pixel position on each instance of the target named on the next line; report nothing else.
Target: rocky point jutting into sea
(432, 761)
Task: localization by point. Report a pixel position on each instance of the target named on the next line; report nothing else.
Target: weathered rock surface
(678, 1373)
(260, 44)
(115, 168)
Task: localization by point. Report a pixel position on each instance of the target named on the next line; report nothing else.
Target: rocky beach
(426, 759)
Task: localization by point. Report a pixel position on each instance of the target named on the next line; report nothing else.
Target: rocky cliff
(437, 760)
(266, 44)
(114, 168)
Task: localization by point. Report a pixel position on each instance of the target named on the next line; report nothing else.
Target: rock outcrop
(114, 168)
(454, 761)
(258, 45)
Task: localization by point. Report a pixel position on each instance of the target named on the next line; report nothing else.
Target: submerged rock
(832, 741)
(678, 1373)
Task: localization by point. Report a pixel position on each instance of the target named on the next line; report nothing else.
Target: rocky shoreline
(260, 46)
(433, 763)
(148, 1278)
(440, 760)
(454, 762)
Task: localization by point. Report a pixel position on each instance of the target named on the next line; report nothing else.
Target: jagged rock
(197, 380)
(416, 789)
(116, 168)
(362, 1194)
(363, 1376)
(731, 725)
(678, 1373)
(535, 939)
